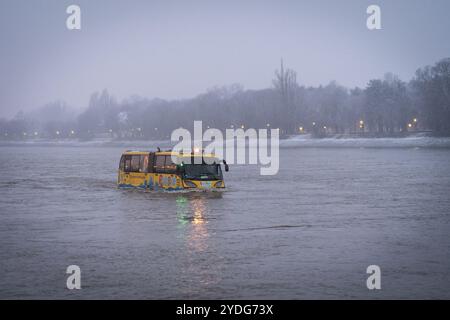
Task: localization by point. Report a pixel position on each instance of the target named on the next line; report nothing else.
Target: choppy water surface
(308, 232)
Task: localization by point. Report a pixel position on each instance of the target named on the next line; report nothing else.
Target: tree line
(385, 107)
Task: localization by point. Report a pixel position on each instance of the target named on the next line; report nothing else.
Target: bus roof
(170, 153)
(130, 152)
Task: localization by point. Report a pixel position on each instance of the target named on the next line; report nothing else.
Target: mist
(180, 49)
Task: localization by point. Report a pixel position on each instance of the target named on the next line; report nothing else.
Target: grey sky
(177, 49)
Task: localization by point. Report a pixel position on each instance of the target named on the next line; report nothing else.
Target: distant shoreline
(421, 140)
(352, 135)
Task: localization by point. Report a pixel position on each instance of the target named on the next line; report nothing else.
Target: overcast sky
(178, 49)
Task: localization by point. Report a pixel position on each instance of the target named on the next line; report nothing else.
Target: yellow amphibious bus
(156, 171)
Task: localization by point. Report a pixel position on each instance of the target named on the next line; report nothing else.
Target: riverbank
(420, 140)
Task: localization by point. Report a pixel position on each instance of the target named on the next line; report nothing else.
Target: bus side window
(122, 163)
(135, 160)
(151, 162)
(170, 166)
(127, 163)
(159, 164)
(143, 166)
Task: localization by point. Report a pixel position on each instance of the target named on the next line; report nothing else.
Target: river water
(308, 232)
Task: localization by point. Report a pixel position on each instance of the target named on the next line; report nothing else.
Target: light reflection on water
(198, 235)
(192, 215)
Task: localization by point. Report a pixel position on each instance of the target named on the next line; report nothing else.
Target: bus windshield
(203, 171)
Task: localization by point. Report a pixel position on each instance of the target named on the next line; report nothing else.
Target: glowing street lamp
(415, 120)
(361, 124)
(300, 129)
(409, 125)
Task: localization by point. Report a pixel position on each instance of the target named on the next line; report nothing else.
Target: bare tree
(285, 83)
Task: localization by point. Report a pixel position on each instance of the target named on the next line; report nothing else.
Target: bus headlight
(190, 184)
(219, 184)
